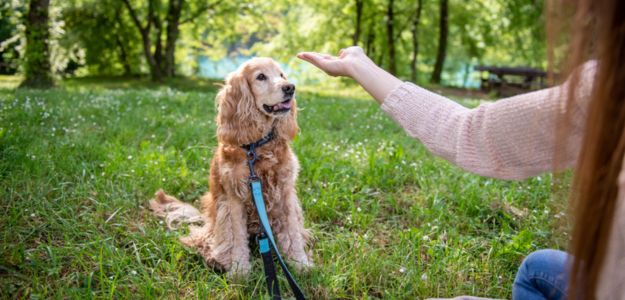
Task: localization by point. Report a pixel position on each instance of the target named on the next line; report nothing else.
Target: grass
(79, 162)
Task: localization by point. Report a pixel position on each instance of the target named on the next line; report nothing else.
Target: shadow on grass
(186, 84)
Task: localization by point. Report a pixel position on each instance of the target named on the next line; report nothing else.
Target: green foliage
(106, 35)
(481, 32)
(8, 54)
(92, 37)
(78, 164)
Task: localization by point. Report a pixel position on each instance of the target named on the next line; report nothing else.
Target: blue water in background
(219, 69)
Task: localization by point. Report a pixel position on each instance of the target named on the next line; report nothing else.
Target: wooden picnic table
(508, 81)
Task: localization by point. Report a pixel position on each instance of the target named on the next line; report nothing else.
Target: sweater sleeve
(512, 138)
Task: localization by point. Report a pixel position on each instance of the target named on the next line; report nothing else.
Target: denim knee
(542, 275)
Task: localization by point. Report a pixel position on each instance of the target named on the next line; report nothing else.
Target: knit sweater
(513, 138)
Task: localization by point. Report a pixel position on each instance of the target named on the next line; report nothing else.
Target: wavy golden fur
(256, 98)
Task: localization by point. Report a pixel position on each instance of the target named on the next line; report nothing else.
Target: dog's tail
(174, 211)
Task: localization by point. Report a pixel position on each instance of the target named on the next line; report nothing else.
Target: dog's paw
(239, 271)
(303, 266)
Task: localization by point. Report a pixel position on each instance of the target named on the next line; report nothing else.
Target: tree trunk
(158, 45)
(415, 41)
(359, 6)
(155, 70)
(173, 23)
(442, 43)
(392, 68)
(370, 42)
(123, 56)
(163, 63)
(37, 55)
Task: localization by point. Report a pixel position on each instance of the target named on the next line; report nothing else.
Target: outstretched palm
(334, 65)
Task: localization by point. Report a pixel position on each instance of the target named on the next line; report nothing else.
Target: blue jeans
(542, 275)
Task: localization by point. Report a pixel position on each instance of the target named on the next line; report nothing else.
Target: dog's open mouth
(281, 107)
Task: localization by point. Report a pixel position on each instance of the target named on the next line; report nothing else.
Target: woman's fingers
(310, 57)
(319, 60)
(314, 56)
(327, 63)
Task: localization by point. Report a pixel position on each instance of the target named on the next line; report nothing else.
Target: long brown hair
(597, 31)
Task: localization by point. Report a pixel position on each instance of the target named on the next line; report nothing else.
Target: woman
(579, 124)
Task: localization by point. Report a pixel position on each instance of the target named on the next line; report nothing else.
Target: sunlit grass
(79, 162)
(9, 81)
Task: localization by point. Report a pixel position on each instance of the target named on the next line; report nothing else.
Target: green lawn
(78, 164)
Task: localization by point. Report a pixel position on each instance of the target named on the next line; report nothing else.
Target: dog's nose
(288, 88)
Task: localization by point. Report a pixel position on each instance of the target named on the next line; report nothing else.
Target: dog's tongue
(282, 105)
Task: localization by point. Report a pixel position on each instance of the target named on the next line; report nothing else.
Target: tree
(359, 6)
(392, 68)
(173, 23)
(163, 64)
(414, 30)
(442, 42)
(106, 36)
(37, 56)
(146, 32)
(165, 37)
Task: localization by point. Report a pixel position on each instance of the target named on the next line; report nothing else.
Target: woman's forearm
(375, 80)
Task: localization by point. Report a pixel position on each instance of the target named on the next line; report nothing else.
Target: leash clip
(251, 155)
(251, 159)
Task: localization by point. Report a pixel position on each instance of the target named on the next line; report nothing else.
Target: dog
(256, 99)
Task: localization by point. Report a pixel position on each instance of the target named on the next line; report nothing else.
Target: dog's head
(256, 97)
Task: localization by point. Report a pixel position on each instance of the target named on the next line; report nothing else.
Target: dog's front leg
(230, 239)
(294, 236)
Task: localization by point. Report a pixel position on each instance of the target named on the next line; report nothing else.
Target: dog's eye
(261, 77)
(282, 75)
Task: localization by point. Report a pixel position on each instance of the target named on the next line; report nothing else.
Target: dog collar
(264, 140)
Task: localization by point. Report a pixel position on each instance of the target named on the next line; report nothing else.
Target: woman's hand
(353, 62)
(343, 65)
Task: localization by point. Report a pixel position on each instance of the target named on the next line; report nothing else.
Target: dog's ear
(233, 94)
(235, 105)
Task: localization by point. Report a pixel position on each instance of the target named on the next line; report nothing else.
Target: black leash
(265, 240)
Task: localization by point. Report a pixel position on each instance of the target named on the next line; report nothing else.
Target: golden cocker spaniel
(256, 99)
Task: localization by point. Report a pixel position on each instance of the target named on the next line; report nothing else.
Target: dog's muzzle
(281, 107)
